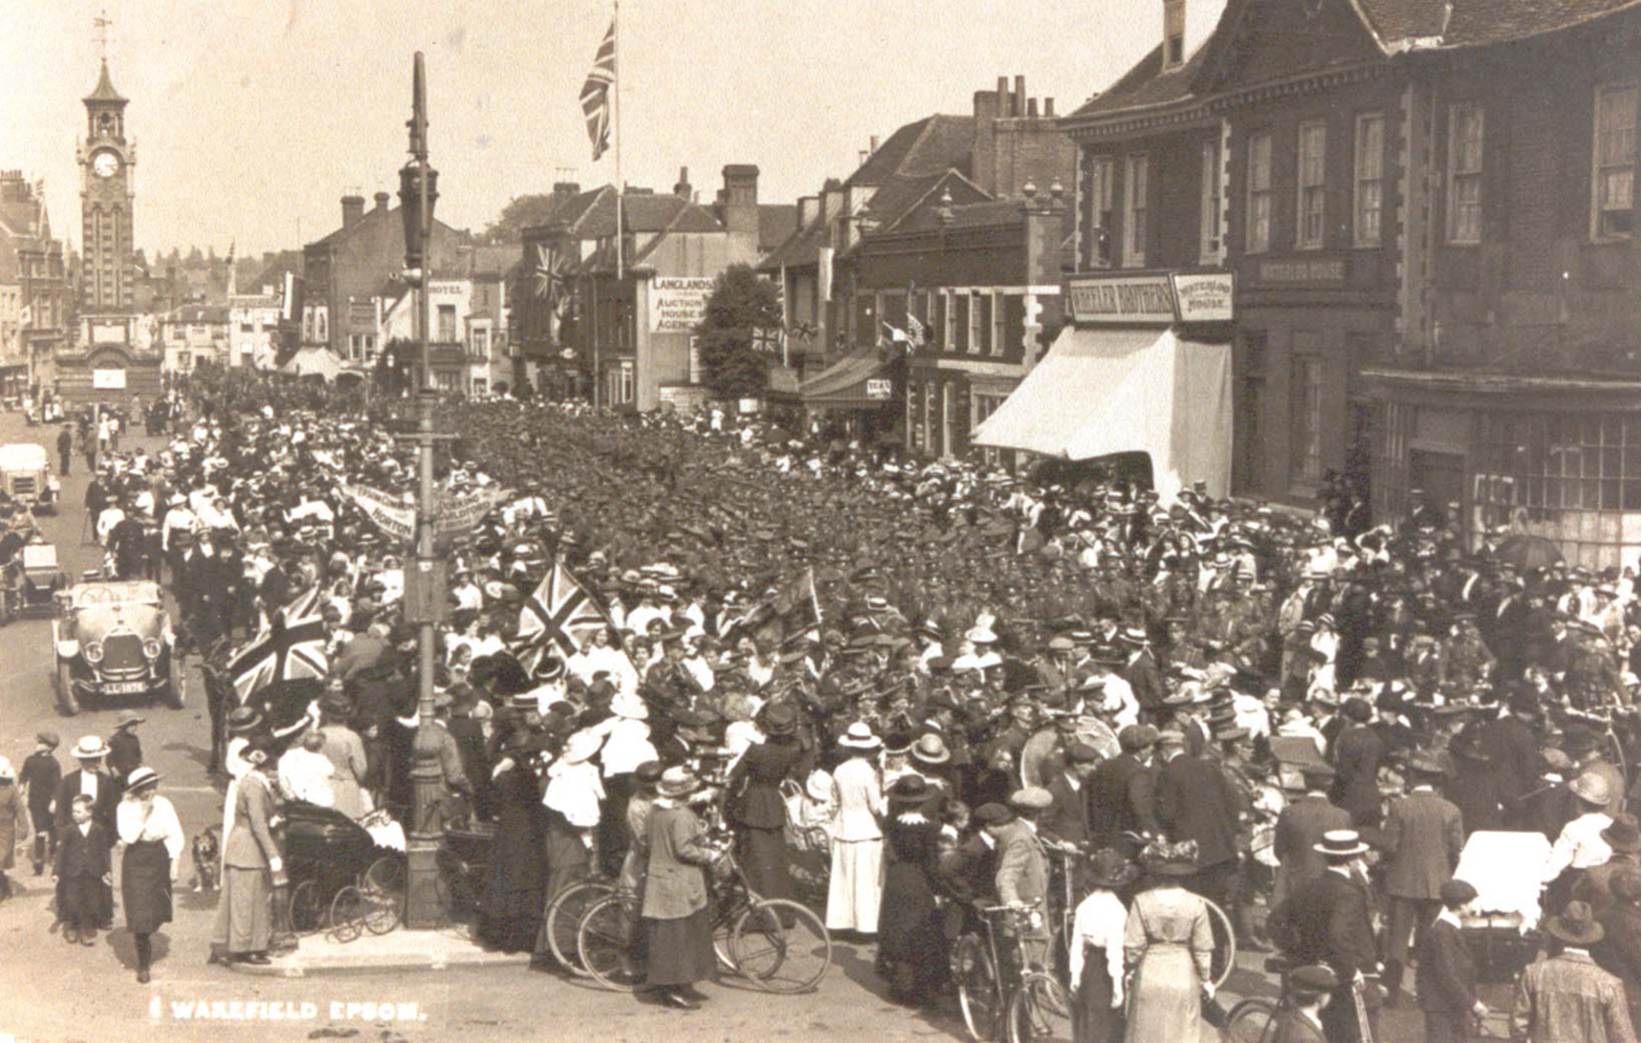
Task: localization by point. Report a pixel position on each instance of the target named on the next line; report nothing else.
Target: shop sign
(108, 333)
(1203, 297)
(878, 388)
(677, 305)
(1126, 300)
(1303, 270)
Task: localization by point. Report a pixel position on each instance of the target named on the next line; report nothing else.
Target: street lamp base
(423, 908)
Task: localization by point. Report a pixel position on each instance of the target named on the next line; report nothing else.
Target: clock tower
(106, 196)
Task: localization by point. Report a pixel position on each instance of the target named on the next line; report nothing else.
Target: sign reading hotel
(878, 388)
(1126, 300)
(1203, 297)
(677, 305)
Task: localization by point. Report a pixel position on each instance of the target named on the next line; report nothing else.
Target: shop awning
(313, 362)
(859, 380)
(1099, 392)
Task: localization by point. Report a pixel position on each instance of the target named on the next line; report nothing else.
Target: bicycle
(1256, 1019)
(562, 923)
(985, 998)
(778, 945)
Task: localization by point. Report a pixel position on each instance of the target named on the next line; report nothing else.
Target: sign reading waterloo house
(678, 304)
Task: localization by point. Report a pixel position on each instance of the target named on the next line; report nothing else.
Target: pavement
(403, 987)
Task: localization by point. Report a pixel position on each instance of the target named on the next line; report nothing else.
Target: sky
(253, 117)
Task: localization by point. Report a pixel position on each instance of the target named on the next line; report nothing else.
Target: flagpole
(621, 186)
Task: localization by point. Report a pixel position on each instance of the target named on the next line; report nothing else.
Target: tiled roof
(799, 249)
(376, 213)
(1146, 85)
(1476, 23)
(776, 221)
(921, 148)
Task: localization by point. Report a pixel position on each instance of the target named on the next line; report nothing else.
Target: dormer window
(1174, 33)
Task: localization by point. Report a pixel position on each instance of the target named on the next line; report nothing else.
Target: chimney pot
(1049, 108)
(1018, 102)
(353, 208)
(683, 189)
(862, 157)
(382, 200)
(872, 143)
(1003, 97)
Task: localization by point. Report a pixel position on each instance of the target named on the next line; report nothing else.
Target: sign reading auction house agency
(678, 304)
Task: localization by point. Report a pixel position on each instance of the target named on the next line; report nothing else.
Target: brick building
(346, 271)
(35, 324)
(1434, 253)
(582, 321)
(1007, 141)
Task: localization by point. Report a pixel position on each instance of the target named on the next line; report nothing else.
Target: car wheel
(175, 692)
(67, 704)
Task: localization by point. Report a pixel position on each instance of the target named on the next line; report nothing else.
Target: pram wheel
(383, 889)
(305, 913)
(348, 910)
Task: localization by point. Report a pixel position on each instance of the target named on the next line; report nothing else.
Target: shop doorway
(1441, 475)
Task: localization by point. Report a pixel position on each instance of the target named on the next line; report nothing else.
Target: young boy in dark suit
(83, 875)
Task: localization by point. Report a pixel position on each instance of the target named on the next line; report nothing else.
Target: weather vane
(102, 22)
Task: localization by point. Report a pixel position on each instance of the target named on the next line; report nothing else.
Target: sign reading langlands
(677, 304)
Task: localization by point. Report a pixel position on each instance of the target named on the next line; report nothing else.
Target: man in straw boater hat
(89, 780)
(1568, 997)
(1328, 921)
(677, 918)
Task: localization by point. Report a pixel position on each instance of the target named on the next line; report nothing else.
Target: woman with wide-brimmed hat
(251, 862)
(857, 880)
(1096, 949)
(1167, 944)
(678, 926)
(512, 903)
(755, 805)
(154, 841)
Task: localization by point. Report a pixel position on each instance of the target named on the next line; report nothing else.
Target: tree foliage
(518, 215)
(741, 302)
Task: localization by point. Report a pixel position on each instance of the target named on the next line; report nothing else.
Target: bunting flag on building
(767, 341)
(803, 332)
(556, 619)
(596, 93)
(291, 646)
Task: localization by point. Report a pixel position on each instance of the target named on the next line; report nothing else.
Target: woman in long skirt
(755, 804)
(1167, 944)
(251, 861)
(153, 841)
(510, 909)
(1096, 951)
(857, 882)
(678, 922)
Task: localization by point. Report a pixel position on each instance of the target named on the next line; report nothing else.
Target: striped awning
(845, 383)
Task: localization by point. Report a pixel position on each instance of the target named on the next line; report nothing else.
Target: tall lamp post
(424, 599)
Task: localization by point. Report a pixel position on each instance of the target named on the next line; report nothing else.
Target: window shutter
(937, 329)
(1014, 325)
(961, 323)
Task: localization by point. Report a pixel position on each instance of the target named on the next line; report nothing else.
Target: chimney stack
(861, 158)
(741, 200)
(1003, 97)
(1049, 108)
(1018, 102)
(1032, 108)
(382, 200)
(872, 142)
(683, 189)
(566, 188)
(353, 208)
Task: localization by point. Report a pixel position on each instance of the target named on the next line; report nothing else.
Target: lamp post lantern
(424, 595)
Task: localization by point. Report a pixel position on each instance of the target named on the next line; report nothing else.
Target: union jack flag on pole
(557, 618)
(290, 647)
(596, 93)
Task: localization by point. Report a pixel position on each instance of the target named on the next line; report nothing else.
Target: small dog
(207, 852)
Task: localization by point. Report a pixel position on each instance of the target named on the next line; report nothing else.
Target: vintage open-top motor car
(25, 475)
(30, 580)
(114, 638)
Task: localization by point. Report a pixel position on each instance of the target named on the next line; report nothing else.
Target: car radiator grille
(123, 654)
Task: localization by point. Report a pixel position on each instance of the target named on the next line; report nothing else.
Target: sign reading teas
(1124, 299)
(677, 305)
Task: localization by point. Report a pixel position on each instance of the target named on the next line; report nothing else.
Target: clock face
(107, 164)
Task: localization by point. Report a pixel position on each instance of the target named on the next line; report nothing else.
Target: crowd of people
(948, 682)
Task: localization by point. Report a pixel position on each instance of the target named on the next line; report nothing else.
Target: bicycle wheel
(1252, 1021)
(727, 912)
(978, 995)
(564, 917)
(605, 943)
(1040, 1011)
(781, 946)
(1224, 957)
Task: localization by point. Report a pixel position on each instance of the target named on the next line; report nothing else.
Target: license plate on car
(124, 688)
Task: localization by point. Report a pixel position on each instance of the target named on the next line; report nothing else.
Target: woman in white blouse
(1096, 952)
(153, 841)
(857, 881)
